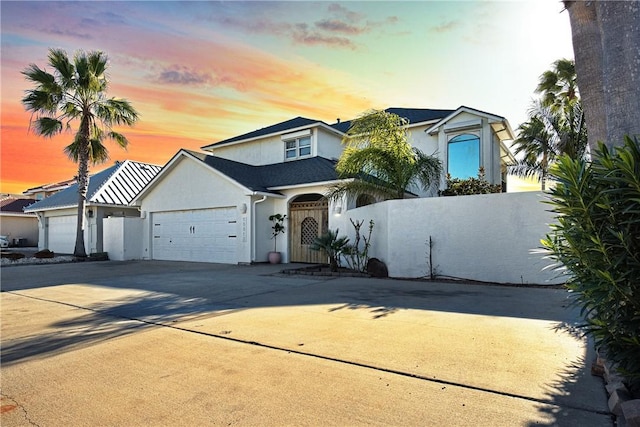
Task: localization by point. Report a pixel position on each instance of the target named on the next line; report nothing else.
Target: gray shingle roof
(414, 115)
(278, 127)
(15, 205)
(265, 178)
(117, 185)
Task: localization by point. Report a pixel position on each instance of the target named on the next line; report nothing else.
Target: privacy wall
(492, 237)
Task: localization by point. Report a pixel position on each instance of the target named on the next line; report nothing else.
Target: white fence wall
(122, 237)
(492, 238)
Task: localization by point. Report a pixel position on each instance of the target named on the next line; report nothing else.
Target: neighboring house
(20, 228)
(109, 195)
(214, 207)
(46, 190)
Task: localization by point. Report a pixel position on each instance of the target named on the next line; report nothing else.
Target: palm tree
(547, 135)
(558, 86)
(379, 161)
(76, 93)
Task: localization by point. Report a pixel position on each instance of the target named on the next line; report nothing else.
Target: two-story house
(214, 206)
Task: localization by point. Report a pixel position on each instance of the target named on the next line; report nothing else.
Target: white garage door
(205, 235)
(61, 232)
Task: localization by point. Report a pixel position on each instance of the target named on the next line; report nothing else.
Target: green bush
(469, 186)
(597, 240)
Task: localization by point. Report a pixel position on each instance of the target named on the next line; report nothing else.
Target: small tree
(277, 228)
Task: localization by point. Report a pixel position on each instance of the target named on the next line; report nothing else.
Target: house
(46, 190)
(214, 206)
(109, 194)
(20, 228)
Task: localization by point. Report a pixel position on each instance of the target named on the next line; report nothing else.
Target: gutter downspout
(253, 227)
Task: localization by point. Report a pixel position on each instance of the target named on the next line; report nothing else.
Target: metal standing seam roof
(117, 185)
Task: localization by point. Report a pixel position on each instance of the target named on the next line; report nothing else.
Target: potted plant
(275, 257)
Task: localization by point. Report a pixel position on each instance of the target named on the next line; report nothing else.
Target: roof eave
(268, 135)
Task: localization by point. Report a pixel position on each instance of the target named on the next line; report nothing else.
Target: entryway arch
(308, 219)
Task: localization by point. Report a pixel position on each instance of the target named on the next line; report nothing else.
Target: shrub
(597, 240)
(469, 186)
(332, 245)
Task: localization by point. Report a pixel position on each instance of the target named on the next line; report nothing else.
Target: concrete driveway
(149, 343)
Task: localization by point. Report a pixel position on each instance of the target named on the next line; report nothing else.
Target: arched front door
(308, 219)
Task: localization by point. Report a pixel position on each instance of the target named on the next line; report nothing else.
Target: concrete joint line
(329, 358)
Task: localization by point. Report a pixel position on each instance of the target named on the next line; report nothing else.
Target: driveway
(147, 343)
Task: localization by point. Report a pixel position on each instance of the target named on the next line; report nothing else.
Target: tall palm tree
(379, 161)
(559, 85)
(75, 92)
(545, 136)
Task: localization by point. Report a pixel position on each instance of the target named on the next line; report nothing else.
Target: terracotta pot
(275, 257)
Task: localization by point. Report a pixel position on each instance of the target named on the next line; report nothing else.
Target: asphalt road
(146, 343)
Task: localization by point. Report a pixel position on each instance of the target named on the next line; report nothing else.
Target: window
(463, 159)
(299, 147)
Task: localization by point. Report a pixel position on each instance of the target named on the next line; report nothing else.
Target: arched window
(463, 156)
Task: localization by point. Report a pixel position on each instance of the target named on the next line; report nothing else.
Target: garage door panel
(61, 233)
(206, 235)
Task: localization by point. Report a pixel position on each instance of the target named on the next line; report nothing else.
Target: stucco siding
(493, 237)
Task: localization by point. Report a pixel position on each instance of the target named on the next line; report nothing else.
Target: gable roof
(462, 109)
(265, 179)
(278, 128)
(14, 205)
(117, 185)
(413, 115)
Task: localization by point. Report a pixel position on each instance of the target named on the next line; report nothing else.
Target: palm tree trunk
(83, 187)
(606, 45)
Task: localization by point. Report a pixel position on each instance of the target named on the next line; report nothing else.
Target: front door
(308, 220)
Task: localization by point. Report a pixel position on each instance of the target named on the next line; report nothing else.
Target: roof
(52, 187)
(413, 115)
(461, 109)
(117, 185)
(267, 177)
(277, 128)
(14, 205)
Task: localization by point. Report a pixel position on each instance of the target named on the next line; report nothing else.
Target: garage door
(205, 235)
(61, 232)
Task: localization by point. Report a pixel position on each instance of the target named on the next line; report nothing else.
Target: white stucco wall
(20, 226)
(490, 238)
(122, 238)
(329, 144)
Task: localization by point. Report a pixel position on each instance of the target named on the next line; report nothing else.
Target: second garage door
(61, 233)
(204, 235)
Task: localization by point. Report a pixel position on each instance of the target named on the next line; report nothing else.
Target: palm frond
(47, 126)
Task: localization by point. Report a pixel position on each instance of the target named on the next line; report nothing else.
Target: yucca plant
(597, 240)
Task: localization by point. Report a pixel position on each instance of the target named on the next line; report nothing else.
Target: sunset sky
(199, 72)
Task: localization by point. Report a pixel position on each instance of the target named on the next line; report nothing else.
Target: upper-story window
(463, 157)
(298, 147)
